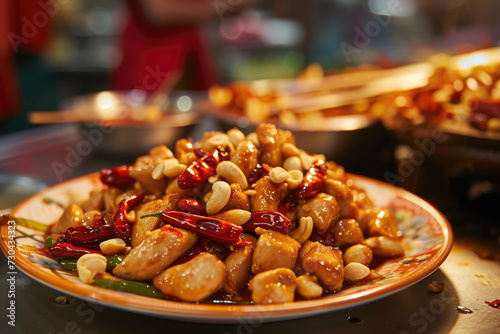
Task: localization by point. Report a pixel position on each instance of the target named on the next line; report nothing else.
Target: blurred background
(56, 51)
(269, 39)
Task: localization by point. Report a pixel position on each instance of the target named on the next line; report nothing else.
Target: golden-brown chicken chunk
(184, 151)
(237, 199)
(238, 266)
(88, 218)
(323, 209)
(274, 250)
(268, 195)
(141, 171)
(271, 140)
(174, 190)
(273, 287)
(346, 232)
(380, 222)
(72, 216)
(155, 253)
(142, 226)
(343, 194)
(111, 197)
(246, 157)
(95, 202)
(323, 262)
(194, 280)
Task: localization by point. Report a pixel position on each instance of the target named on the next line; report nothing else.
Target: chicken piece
(72, 216)
(142, 226)
(237, 199)
(380, 222)
(271, 140)
(173, 189)
(194, 280)
(184, 151)
(308, 287)
(343, 194)
(346, 232)
(238, 266)
(161, 152)
(323, 262)
(141, 171)
(268, 195)
(274, 250)
(155, 253)
(212, 140)
(109, 197)
(88, 218)
(273, 287)
(323, 209)
(172, 200)
(335, 172)
(246, 157)
(95, 202)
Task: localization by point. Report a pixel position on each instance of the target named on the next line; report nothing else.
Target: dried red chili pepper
(210, 228)
(258, 173)
(242, 243)
(121, 226)
(216, 248)
(192, 205)
(190, 254)
(80, 235)
(200, 170)
(69, 251)
(272, 220)
(313, 180)
(326, 239)
(495, 303)
(99, 219)
(117, 176)
(199, 152)
(288, 203)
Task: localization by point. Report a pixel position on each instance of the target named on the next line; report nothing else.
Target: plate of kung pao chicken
(230, 225)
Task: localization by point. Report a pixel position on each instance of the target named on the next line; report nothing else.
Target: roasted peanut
(358, 253)
(113, 246)
(89, 265)
(278, 175)
(217, 140)
(172, 168)
(253, 138)
(308, 286)
(235, 216)
(306, 161)
(384, 246)
(295, 179)
(232, 173)
(292, 163)
(157, 173)
(355, 271)
(235, 136)
(221, 191)
(290, 150)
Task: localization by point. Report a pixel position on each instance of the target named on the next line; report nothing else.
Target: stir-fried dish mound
(229, 218)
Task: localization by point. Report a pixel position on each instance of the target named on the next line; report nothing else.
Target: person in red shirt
(162, 38)
(25, 82)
